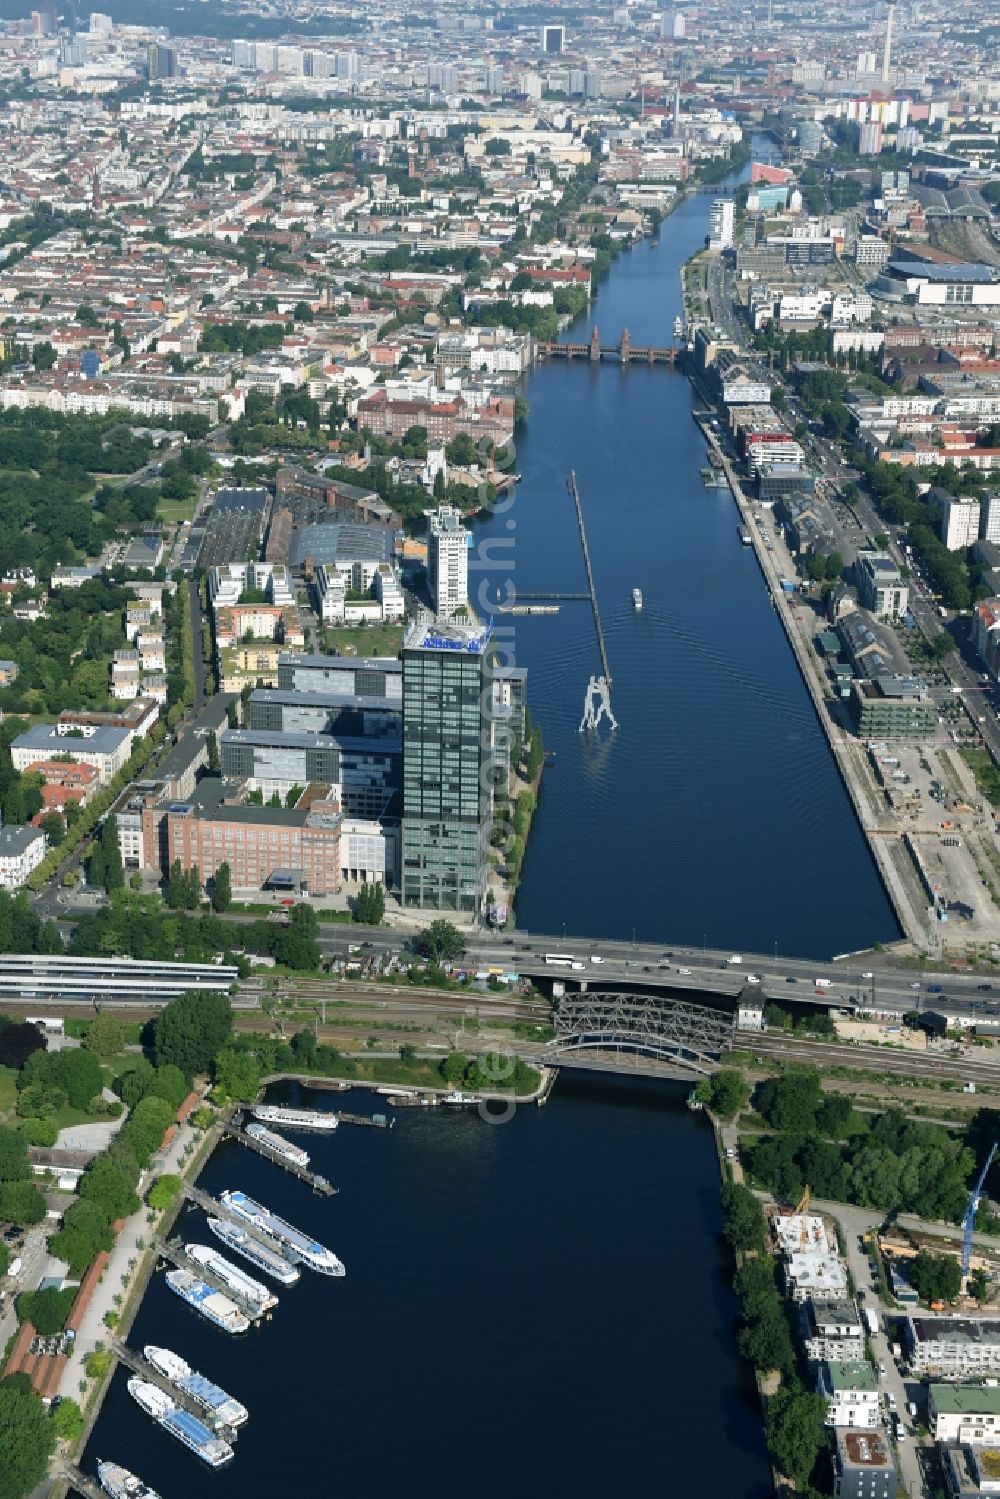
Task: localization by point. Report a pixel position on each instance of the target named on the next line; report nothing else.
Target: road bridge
(624, 351)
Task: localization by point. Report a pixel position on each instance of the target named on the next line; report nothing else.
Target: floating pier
(318, 1183)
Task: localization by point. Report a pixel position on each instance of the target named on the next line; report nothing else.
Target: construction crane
(970, 1212)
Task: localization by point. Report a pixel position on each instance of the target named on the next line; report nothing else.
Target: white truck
(871, 1319)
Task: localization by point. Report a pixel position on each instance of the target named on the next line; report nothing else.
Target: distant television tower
(888, 42)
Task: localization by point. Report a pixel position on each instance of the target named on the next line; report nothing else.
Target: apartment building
(953, 1346)
(964, 1413)
(851, 1393)
(447, 561)
(22, 849)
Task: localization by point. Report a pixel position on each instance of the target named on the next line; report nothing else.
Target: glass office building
(447, 776)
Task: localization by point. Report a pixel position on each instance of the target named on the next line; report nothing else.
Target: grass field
(365, 640)
(8, 1090)
(172, 512)
(986, 774)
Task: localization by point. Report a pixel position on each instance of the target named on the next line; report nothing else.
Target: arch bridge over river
(622, 1032)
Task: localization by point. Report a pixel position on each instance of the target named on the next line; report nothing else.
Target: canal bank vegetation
(794, 1416)
(239, 1069)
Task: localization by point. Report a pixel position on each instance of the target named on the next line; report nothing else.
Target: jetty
(217, 1209)
(311, 1178)
(78, 1480)
(173, 1250)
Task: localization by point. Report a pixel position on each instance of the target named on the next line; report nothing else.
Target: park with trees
(885, 1161)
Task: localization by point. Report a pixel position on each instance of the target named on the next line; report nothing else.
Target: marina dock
(173, 1250)
(145, 1370)
(318, 1183)
(217, 1209)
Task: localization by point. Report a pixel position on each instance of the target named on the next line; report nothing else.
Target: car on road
(915, 984)
(984, 988)
(791, 979)
(684, 971)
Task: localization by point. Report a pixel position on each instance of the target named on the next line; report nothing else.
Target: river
(715, 815)
(535, 1308)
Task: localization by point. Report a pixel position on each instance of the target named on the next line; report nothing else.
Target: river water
(715, 815)
(543, 1307)
(535, 1308)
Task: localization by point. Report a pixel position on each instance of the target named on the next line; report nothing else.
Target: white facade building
(851, 1394)
(721, 219)
(959, 521)
(447, 561)
(22, 849)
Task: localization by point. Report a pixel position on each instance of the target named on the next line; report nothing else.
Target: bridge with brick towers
(624, 351)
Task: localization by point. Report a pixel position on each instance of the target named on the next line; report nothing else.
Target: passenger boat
(291, 1240)
(315, 1119)
(221, 1408)
(211, 1304)
(121, 1484)
(232, 1276)
(270, 1261)
(294, 1154)
(636, 598)
(180, 1423)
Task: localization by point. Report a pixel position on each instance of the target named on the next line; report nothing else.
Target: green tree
(369, 905)
(21, 1203)
(163, 1192)
(936, 1277)
(142, 1135)
(27, 1438)
(212, 747)
(725, 1092)
(222, 889)
(105, 1184)
(790, 1102)
(18, 1042)
(743, 1221)
(304, 1047)
(46, 1310)
(176, 892)
(795, 1432)
(442, 942)
(237, 1073)
(13, 1154)
(170, 1084)
(67, 1418)
(453, 1067)
(105, 1036)
(192, 1030)
(979, 1285)
(54, 828)
(84, 1233)
(135, 1082)
(114, 875)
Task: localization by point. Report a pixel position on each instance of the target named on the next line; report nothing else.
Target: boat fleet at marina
(272, 1245)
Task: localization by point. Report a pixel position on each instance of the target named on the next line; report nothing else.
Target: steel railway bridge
(597, 1027)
